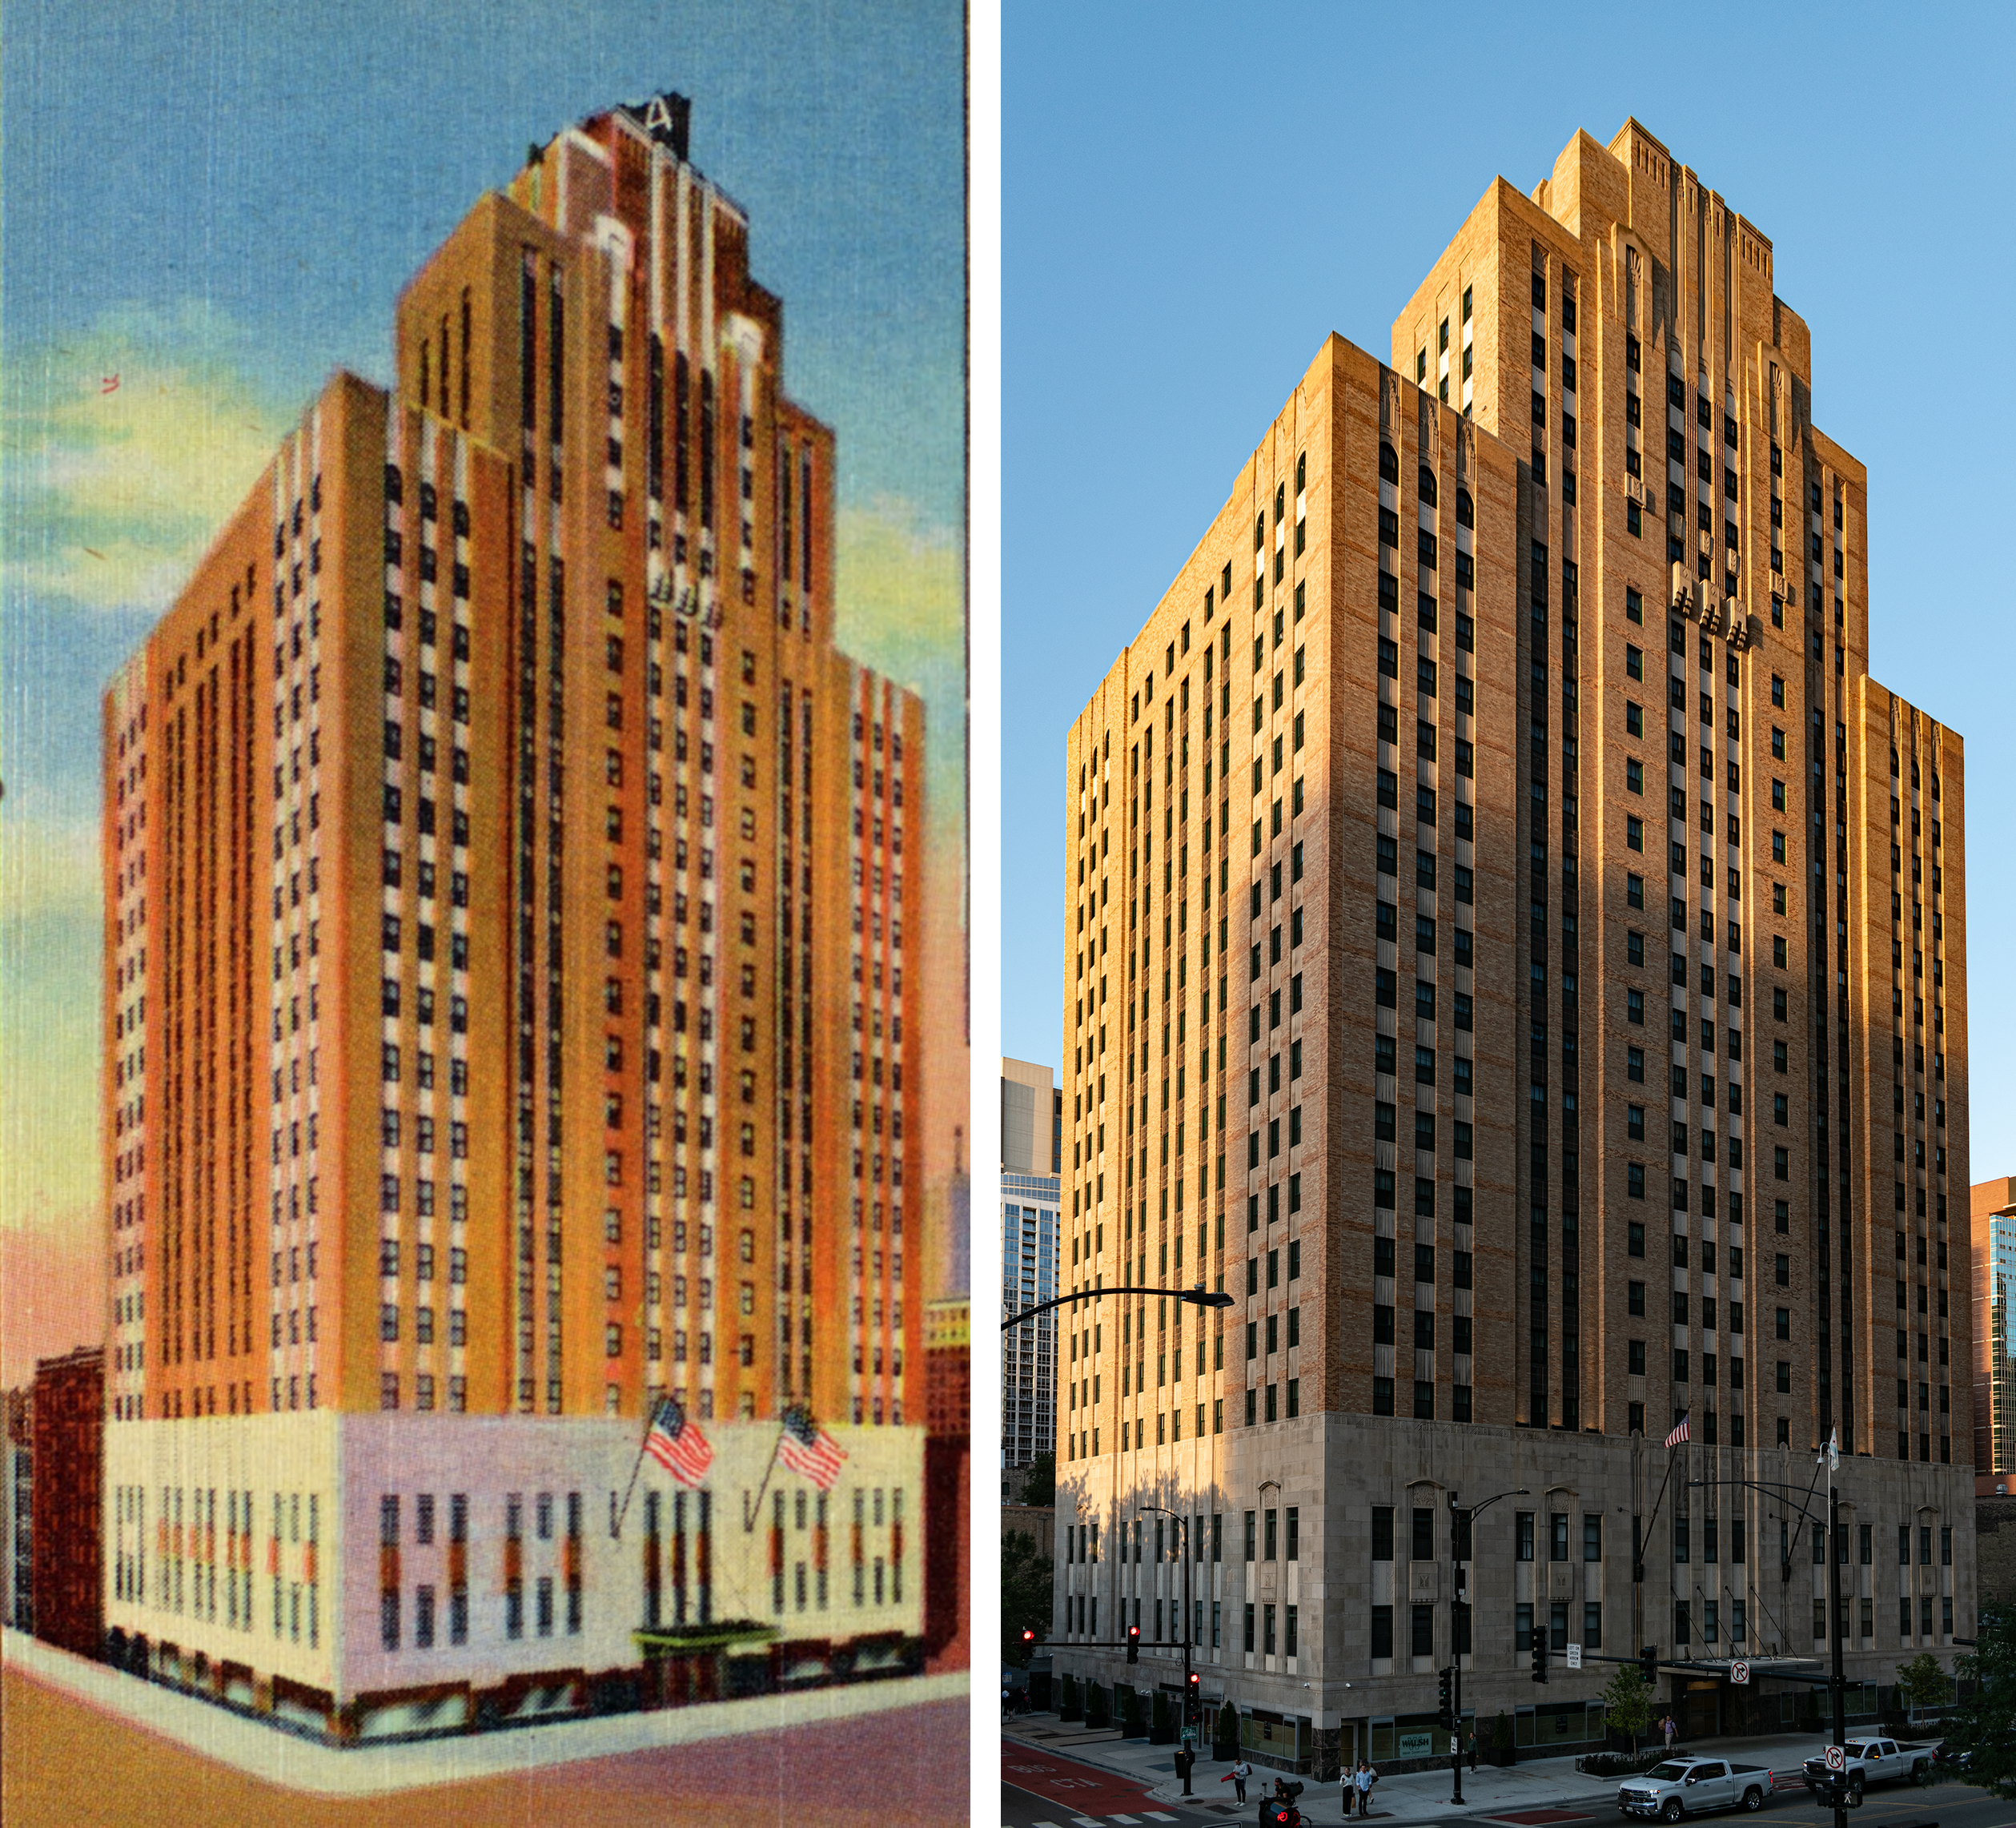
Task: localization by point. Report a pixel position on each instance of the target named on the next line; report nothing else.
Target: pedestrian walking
(1237, 1776)
(1367, 1778)
(1670, 1729)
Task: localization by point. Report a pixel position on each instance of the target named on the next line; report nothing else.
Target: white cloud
(113, 491)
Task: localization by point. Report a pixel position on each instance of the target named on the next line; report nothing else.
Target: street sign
(1575, 1655)
(1739, 1671)
(1453, 1747)
(1837, 1758)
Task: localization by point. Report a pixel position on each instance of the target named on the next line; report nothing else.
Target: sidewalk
(282, 1758)
(1412, 1796)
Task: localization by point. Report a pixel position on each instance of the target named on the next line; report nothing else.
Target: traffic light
(1134, 1644)
(1028, 1637)
(1540, 1655)
(1649, 1664)
(1445, 1713)
(1196, 1683)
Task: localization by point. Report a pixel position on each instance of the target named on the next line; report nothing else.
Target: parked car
(1870, 1762)
(1694, 1786)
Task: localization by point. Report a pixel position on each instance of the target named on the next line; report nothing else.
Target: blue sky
(1188, 212)
(219, 200)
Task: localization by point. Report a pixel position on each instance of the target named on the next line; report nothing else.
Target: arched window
(1466, 511)
(1427, 487)
(1389, 463)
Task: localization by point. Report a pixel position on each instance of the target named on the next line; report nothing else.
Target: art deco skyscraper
(506, 889)
(1516, 950)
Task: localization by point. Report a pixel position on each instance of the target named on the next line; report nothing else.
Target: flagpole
(1644, 1538)
(650, 1420)
(751, 1507)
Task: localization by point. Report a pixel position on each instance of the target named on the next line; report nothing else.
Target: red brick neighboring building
(947, 1476)
(69, 1443)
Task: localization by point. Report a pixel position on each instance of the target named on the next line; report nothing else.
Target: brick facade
(1513, 1141)
(68, 1552)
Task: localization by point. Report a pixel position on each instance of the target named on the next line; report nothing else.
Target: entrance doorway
(1698, 1710)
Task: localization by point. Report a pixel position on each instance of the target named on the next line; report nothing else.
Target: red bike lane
(1080, 1789)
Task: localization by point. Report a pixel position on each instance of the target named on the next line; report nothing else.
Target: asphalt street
(1043, 1789)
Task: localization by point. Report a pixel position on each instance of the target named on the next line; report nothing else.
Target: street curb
(255, 1748)
(1317, 1796)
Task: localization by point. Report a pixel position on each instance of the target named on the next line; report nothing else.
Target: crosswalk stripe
(1133, 1819)
(1157, 1815)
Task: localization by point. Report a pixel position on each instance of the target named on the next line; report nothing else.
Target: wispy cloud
(131, 444)
(901, 595)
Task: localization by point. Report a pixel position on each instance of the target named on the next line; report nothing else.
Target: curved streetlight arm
(1197, 1297)
(1770, 1490)
(1523, 1492)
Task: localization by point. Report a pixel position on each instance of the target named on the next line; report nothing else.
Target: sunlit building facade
(1515, 950)
(508, 882)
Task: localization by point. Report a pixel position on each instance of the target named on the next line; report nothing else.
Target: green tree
(1024, 1596)
(1922, 1683)
(1039, 1483)
(1228, 1731)
(1628, 1701)
(1980, 1725)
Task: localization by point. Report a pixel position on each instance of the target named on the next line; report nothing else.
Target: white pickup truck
(1871, 1761)
(1691, 1785)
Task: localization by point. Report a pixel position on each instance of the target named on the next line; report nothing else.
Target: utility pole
(1462, 1521)
(1838, 1680)
(1183, 1523)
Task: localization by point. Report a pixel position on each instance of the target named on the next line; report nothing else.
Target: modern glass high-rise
(1028, 1234)
(1994, 1327)
(507, 897)
(1516, 949)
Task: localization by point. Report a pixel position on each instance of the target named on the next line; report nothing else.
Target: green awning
(681, 1640)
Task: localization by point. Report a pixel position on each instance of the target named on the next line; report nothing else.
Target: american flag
(806, 1447)
(677, 1445)
(1679, 1433)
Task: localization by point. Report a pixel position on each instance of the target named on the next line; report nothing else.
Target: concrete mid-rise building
(1516, 949)
(1993, 1249)
(507, 880)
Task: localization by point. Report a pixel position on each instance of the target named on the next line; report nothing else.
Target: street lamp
(1197, 1297)
(1836, 1680)
(1458, 1597)
(1182, 1523)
